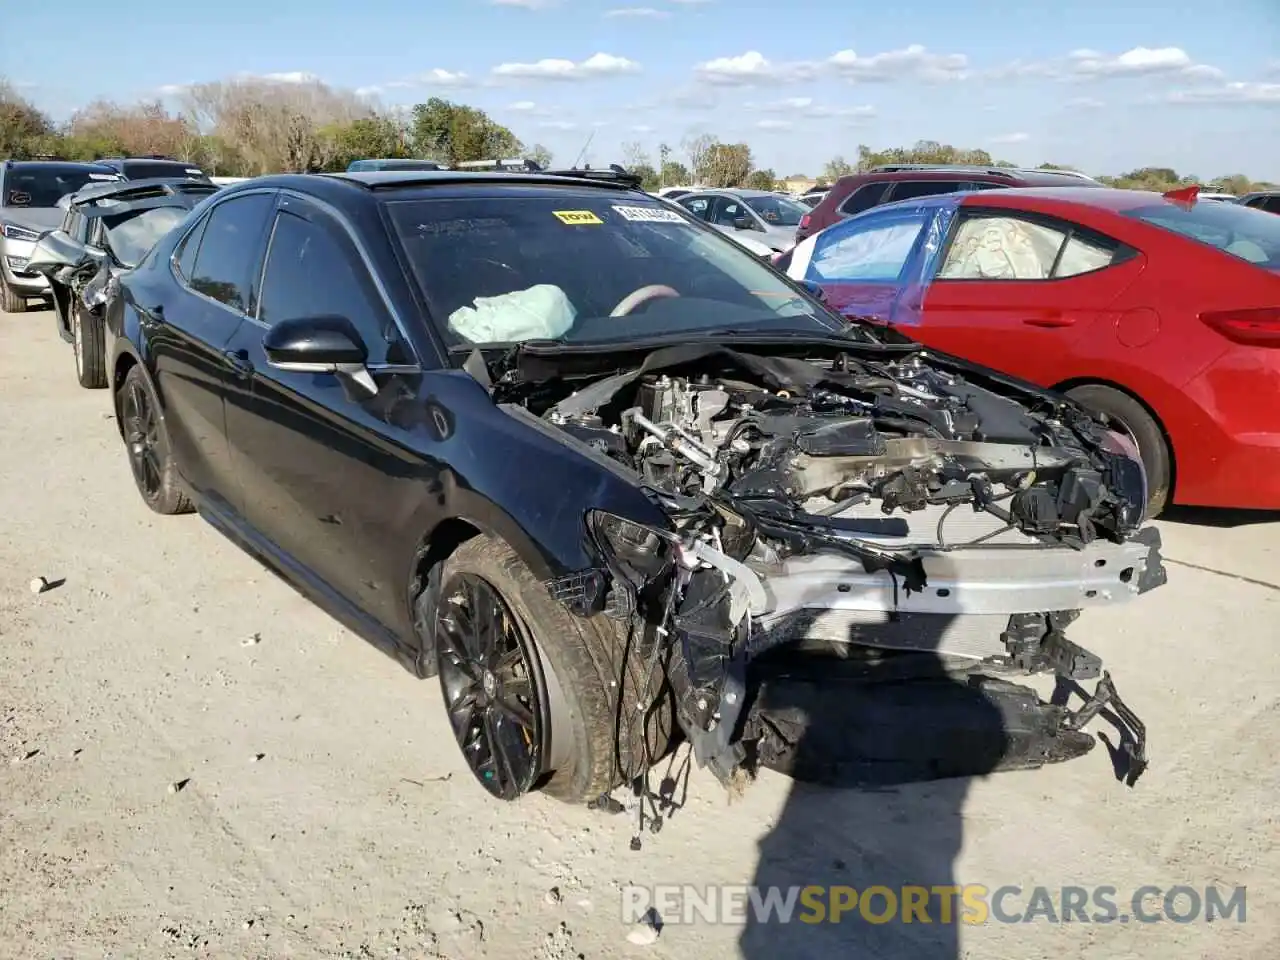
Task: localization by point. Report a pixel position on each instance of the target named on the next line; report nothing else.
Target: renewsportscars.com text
(937, 904)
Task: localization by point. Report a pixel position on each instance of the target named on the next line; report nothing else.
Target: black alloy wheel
(493, 691)
(142, 437)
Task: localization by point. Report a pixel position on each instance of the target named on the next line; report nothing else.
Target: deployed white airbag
(538, 313)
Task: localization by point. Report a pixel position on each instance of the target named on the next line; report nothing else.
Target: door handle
(241, 366)
(1049, 322)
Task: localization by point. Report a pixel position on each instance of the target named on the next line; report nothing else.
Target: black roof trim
(398, 180)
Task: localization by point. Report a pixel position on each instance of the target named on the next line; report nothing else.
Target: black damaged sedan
(619, 485)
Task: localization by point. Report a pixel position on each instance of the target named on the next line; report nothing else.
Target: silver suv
(29, 195)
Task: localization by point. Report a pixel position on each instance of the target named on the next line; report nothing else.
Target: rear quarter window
(864, 198)
(1244, 232)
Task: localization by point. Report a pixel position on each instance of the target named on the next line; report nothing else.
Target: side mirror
(742, 223)
(326, 344)
(815, 290)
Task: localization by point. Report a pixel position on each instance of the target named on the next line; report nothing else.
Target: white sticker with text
(649, 215)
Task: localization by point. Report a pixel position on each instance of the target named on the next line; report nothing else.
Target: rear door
(1025, 293)
(188, 326)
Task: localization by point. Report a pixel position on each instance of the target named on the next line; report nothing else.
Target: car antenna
(583, 152)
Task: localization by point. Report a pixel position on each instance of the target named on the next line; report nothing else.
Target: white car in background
(760, 215)
(754, 246)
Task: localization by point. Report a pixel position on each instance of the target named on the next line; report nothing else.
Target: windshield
(581, 269)
(41, 186)
(777, 211)
(147, 169)
(131, 235)
(1252, 235)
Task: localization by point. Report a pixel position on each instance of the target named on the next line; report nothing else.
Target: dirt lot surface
(326, 811)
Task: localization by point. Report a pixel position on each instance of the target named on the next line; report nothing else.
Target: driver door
(864, 265)
(319, 480)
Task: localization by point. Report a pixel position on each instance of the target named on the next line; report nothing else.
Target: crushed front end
(862, 552)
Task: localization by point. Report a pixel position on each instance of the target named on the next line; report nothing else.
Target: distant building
(797, 185)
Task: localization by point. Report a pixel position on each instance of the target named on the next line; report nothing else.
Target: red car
(1162, 311)
(887, 183)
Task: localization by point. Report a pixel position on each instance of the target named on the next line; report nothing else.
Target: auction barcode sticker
(649, 215)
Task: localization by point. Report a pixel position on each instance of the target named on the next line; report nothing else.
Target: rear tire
(596, 742)
(10, 300)
(88, 342)
(1152, 446)
(146, 439)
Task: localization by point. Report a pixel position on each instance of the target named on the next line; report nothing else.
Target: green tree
(675, 174)
(762, 180)
(726, 165)
(367, 137)
(539, 155)
(23, 128)
(455, 133)
(838, 167)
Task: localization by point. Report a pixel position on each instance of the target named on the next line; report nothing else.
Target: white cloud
(910, 63)
(525, 4)
(774, 124)
(642, 128)
(291, 76)
(523, 106)
(438, 77)
(1139, 60)
(1006, 138)
(1085, 103)
(806, 107)
(558, 125)
(914, 62)
(692, 3)
(168, 90)
(1096, 65)
(1240, 92)
(1272, 69)
(597, 66)
(370, 91)
(638, 13)
(751, 68)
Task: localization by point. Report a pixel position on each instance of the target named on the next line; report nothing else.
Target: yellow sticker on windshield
(576, 217)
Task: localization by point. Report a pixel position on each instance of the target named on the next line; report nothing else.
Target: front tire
(88, 342)
(1152, 446)
(11, 301)
(587, 718)
(147, 442)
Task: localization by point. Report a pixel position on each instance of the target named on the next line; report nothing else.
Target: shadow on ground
(1218, 517)
(883, 751)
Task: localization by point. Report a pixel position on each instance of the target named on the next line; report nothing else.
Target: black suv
(149, 168)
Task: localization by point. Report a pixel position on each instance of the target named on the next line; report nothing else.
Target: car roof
(415, 184)
(63, 165)
(150, 188)
(1114, 199)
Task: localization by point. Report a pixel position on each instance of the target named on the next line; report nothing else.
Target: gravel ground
(323, 810)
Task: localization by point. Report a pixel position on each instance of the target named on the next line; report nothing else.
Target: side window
(985, 185)
(1004, 247)
(698, 206)
(184, 257)
(1270, 204)
(864, 198)
(314, 270)
(726, 211)
(911, 189)
(876, 251)
(228, 250)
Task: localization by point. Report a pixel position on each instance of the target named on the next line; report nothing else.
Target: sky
(1105, 85)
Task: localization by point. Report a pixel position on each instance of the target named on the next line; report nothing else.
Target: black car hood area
(845, 518)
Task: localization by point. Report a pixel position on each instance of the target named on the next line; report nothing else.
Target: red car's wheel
(1134, 417)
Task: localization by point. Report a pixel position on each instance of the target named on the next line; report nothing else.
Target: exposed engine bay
(872, 525)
